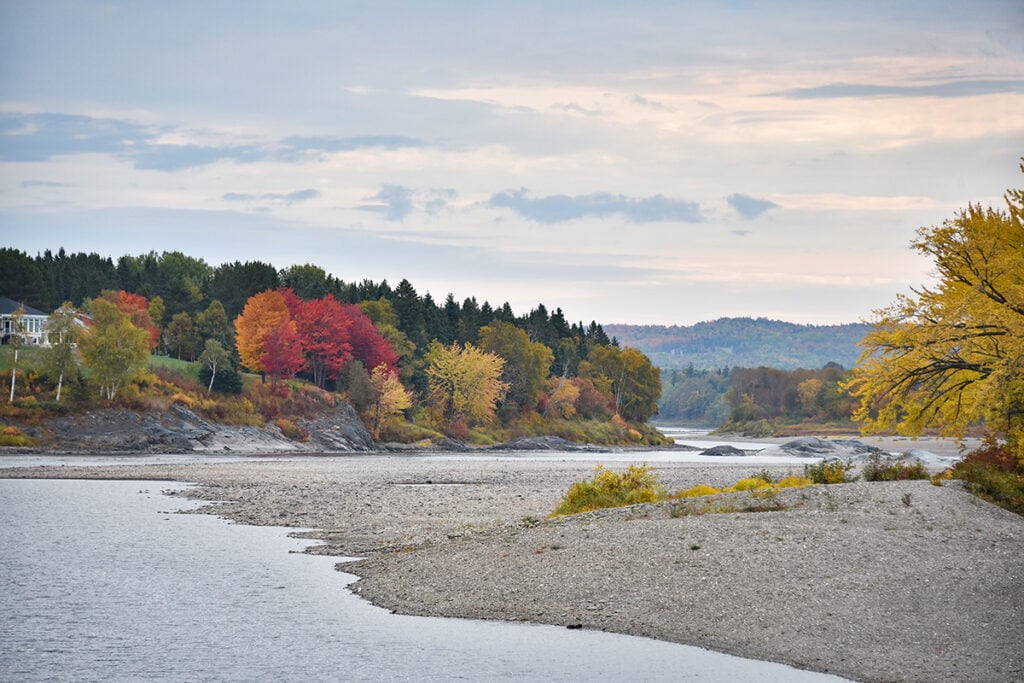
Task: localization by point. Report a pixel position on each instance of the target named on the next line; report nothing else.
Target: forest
(744, 342)
(398, 357)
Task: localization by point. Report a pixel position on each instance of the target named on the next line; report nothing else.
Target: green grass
(28, 357)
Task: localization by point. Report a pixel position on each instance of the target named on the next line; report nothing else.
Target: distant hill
(744, 342)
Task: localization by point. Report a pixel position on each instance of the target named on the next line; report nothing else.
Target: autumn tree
(113, 348)
(561, 396)
(282, 352)
(62, 332)
(368, 346)
(389, 396)
(952, 354)
(323, 327)
(465, 382)
(136, 307)
(263, 313)
(628, 377)
(526, 367)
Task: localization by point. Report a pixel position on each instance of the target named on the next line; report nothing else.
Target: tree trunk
(14, 372)
(60, 385)
(213, 373)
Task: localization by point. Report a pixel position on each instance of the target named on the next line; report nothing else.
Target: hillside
(744, 342)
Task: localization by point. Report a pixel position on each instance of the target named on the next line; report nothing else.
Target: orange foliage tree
(263, 313)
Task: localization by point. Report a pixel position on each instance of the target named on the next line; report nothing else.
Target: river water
(101, 581)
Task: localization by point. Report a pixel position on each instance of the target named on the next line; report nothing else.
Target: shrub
(793, 481)
(608, 489)
(830, 472)
(292, 430)
(995, 474)
(749, 484)
(878, 470)
(698, 490)
(12, 436)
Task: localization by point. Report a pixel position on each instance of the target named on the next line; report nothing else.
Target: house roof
(9, 306)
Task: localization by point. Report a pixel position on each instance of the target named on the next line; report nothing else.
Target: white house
(34, 322)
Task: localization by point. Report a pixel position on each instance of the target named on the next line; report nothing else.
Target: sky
(660, 162)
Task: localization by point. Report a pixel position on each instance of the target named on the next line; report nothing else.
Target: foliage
(743, 342)
(323, 328)
(12, 436)
(263, 313)
(628, 376)
(526, 366)
(877, 469)
(830, 472)
(291, 430)
(215, 356)
(114, 350)
(781, 397)
(389, 397)
(181, 337)
(995, 473)
(465, 384)
(952, 354)
(282, 352)
(638, 484)
(62, 332)
(136, 308)
(693, 396)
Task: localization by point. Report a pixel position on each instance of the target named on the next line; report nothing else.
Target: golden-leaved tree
(465, 382)
(952, 354)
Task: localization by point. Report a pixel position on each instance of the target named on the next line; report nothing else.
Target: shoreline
(893, 581)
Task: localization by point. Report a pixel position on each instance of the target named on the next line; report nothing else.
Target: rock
(179, 430)
(544, 443)
(724, 449)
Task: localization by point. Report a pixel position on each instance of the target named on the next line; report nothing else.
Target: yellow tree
(527, 364)
(952, 354)
(389, 396)
(263, 313)
(464, 382)
(113, 349)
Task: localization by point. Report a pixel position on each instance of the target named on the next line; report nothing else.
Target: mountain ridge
(744, 342)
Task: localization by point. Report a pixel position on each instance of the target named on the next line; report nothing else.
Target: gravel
(897, 581)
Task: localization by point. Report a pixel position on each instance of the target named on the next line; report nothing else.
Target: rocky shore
(899, 581)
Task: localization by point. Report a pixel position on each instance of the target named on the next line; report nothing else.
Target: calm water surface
(100, 581)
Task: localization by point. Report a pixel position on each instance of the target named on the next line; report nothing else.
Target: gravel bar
(900, 581)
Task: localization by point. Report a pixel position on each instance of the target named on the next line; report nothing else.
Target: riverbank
(877, 582)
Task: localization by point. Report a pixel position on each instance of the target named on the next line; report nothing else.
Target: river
(102, 580)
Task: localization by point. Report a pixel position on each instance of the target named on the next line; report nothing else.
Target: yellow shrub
(793, 481)
(698, 490)
(11, 431)
(749, 484)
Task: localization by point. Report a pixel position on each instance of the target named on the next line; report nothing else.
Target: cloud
(394, 202)
(964, 88)
(286, 198)
(335, 144)
(41, 136)
(749, 207)
(178, 157)
(559, 208)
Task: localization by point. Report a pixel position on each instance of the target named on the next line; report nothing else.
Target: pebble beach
(897, 581)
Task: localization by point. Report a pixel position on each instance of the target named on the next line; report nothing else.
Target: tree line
(385, 349)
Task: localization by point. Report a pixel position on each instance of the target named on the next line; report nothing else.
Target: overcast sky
(645, 162)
